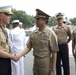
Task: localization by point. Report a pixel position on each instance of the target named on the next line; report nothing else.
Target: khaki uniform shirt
(43, 42)
(74, 40)
(63, 33)
(74, 35)
(3, 44)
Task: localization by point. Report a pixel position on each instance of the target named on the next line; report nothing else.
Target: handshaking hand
(15, 57)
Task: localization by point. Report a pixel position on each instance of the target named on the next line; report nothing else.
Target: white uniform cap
(59, 15)
(20, 23)
(6, 9)
(15, 21)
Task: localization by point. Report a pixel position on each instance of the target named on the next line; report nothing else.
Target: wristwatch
(53, 69)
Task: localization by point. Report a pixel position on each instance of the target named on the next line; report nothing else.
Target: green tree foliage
(27, 20)
(73, 21)
(52, 21)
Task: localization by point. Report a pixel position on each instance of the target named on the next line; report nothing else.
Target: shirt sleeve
(29, 44)
(69, 32)
(53, 42)
(73, 35)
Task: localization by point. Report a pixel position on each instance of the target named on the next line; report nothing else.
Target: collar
(1, 27)
(44, 31)
(60, 26)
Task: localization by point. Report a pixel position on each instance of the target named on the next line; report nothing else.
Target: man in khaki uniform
(5, 63)
(63, 33)
(44, 42)
(74, 46)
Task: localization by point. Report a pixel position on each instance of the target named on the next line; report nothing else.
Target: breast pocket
(44, 42)
(34, 41)
(3, 38)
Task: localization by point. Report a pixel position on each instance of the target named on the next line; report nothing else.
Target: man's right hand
(15, 57)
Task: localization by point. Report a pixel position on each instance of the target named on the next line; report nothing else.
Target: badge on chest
(44, 37)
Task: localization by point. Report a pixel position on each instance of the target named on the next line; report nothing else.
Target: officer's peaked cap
(6, 9)
(41, 14)
(59, 15)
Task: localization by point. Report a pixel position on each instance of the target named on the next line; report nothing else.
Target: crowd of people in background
(50, 46)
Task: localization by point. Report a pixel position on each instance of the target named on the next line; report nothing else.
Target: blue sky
(68, 7)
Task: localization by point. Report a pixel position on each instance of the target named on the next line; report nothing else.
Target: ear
(1, 16)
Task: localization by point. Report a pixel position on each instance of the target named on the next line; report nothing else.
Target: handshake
(15, 57)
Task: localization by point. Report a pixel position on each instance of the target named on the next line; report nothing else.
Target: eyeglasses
(7, 14)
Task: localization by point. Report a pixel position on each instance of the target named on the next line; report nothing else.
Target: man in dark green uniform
(44, 43)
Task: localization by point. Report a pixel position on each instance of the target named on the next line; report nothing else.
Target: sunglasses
(7, 14)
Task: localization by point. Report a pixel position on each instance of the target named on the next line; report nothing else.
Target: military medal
(45, 37)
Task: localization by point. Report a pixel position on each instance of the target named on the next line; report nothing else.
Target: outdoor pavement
(29, 64)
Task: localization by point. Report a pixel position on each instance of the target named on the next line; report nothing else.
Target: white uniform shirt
(24, 35)
(18, 40)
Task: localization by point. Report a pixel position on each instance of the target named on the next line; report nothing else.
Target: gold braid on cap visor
(40, 16)
(59, 16)
(7, 11)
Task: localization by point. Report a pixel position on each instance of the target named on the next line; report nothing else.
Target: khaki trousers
(42, 66)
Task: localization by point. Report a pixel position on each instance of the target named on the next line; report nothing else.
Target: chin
(7, 22)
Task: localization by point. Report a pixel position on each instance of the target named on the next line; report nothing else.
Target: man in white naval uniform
(20, 25)
(18, 43)
(23, 32)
